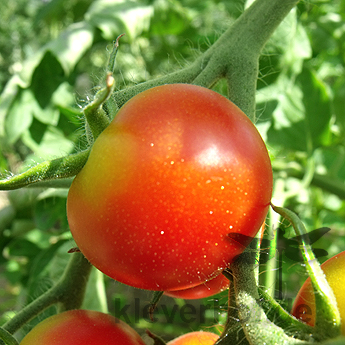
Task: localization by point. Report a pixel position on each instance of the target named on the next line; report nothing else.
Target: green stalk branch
(49, 170)
(97, 119)
(276, 313)
(68, 291)
(235, 56)
(186, 75)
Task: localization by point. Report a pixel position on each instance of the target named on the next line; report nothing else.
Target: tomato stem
(59, 168)
(328, 322)
(157, 295)
(233, 56)
(156, 339)
(233, 332)
(112, 57)
(96, 118)
(276, 313)
(257, 328)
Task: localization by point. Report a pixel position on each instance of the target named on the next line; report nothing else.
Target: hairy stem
(257, 328)
(49, 170)
(233, 331)
(235, 56)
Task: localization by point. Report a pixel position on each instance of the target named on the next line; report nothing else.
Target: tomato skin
(304, 304)
(195, 338)
(80, 327)
(206, 289)
(178, 168)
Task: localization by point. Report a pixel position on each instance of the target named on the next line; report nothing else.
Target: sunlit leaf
(117, 17)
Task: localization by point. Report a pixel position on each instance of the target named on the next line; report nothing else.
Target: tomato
(80, 327)
(304, 305)
(177, 170)
(207, 289)
(195, 338)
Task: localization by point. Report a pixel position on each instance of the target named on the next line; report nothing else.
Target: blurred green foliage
(53, 56)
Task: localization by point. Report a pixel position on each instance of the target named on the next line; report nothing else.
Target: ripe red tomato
(195, 338)
(304, 305)
(207, 289)
(80, 327)
(178, 168)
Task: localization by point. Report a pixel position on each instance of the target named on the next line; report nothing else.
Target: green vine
(60, 168)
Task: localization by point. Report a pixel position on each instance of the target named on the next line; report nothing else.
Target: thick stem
(257, 328)
(252, 31)
(49, 170)
(235, 56)
(233, 331)
(186, 75)
(289, 323)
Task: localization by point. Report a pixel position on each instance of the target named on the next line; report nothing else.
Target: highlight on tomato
(178, 169)
(195, 338)
(80, 327)
(206, 289)
(304, 305)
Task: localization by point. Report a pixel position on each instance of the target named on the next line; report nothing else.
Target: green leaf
(288, 121)
(50, 211)
(20, 116)
(71, 45)
(297, 50)
(338, 102)
(53, 142)
(46, 78)
(23, 198)
(7, 98)
(40, 267)
(300, 112)
(317, 105)
(21, 247)
(331, 161)
(45, 69)
(169, 18)
(23, 113)
(117, 17)
(60, 260)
